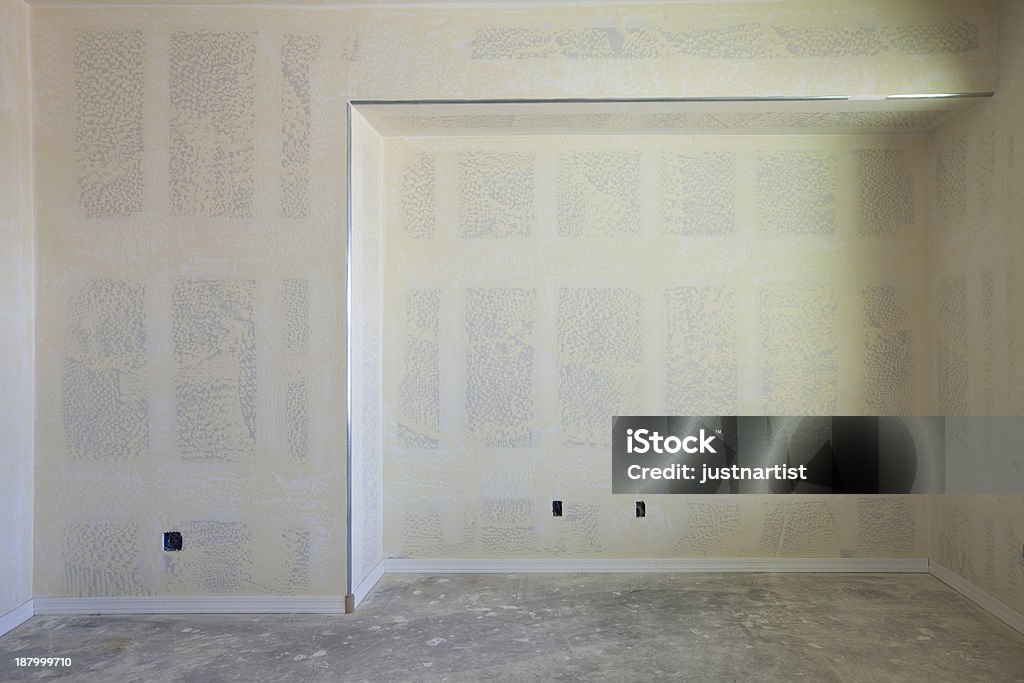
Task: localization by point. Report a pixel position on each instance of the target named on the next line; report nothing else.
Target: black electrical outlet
(172, 540)
(556, 508)
(641, 509)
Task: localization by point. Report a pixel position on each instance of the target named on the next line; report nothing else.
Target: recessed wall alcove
(519, 272)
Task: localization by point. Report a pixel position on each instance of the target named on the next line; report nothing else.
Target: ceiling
(395, 3)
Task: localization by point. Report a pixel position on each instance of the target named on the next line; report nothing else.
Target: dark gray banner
(864, 455)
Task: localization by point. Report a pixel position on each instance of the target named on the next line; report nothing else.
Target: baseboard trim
(16, 617)
(648, 566)
(327, 604)
(335, 604)
(991, 604)
(367, 584)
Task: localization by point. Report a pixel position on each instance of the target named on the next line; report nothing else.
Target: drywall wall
(366, 261)
(17, 397)
(536, 286)
(191, 225)
(977, 285)
(191, 314)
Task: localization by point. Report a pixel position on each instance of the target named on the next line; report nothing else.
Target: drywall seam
(16, 617)
(325, 604)
(989, 603)
(661, 566)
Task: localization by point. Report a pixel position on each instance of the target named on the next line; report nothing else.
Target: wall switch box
(172, 540)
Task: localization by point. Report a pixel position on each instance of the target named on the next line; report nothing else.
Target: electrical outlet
(556, 508)
(172, 541)
(641, 508)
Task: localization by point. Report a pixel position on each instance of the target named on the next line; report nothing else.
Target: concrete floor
(623, 627)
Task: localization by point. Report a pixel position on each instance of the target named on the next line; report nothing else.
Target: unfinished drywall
(191, 221)
(366, 260)
(192, 305)
(536, 286)
(977, 294)
(17, 395)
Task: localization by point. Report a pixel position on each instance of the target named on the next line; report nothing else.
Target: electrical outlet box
(172, 541)
(556, 508)
(641, 508)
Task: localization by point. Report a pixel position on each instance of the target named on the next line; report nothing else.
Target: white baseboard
(756, 564)
(367, 584)
(16, 617)
(989, 603)
(327, 604)
(335, 604)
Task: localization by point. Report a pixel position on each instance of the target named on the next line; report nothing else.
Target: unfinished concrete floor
(622, 627)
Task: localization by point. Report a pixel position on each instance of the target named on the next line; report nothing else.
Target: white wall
(17, 291)
(537, 286)
(191, 211)
(977, 294)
